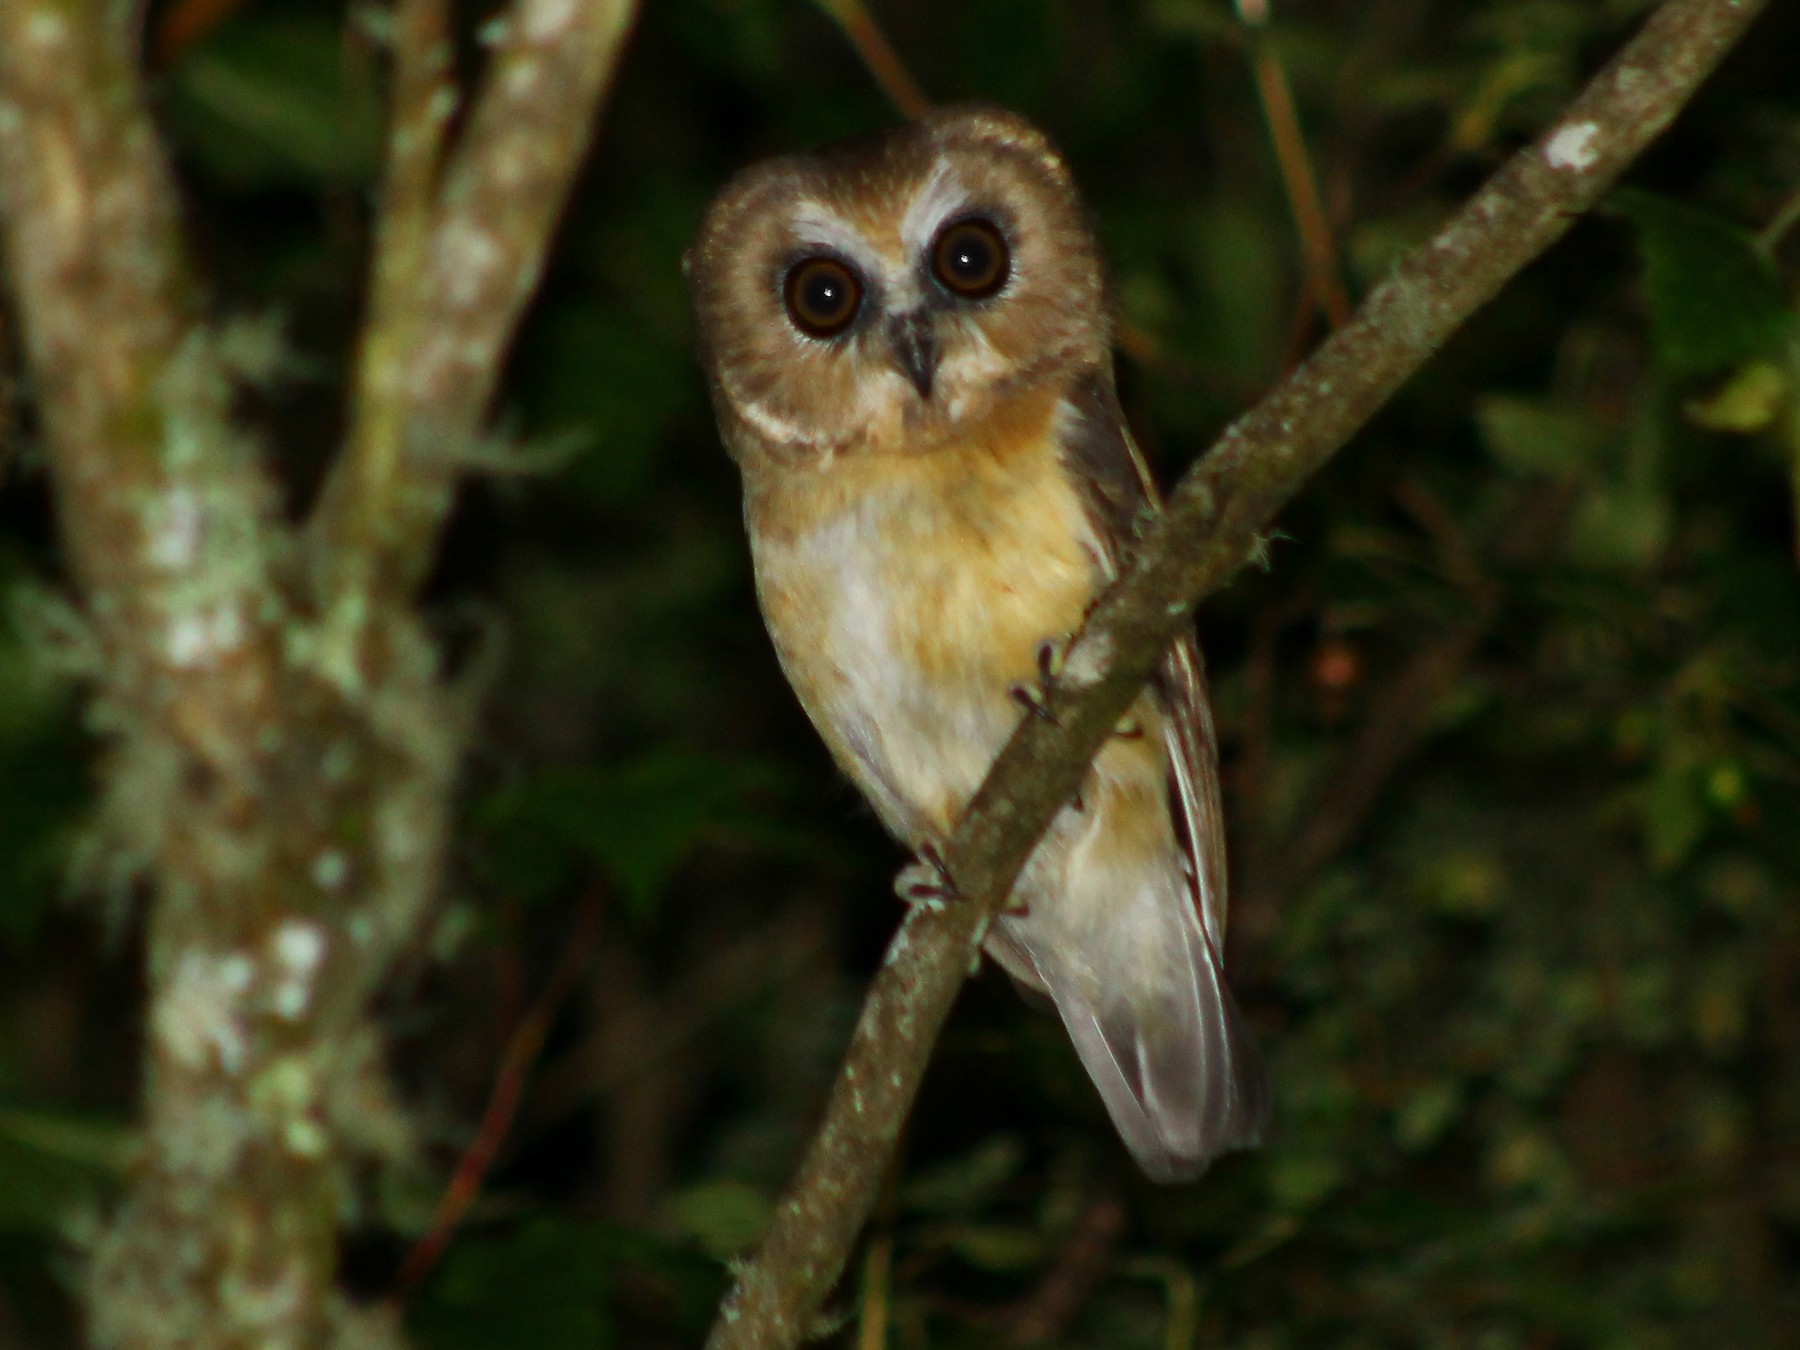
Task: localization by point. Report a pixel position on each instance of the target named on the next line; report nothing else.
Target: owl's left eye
(970, 257)
(823, 296)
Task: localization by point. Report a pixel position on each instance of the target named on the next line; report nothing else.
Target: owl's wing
(1122, 498)
(1147, 1007)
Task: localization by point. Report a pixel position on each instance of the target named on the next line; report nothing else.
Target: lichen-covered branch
(284, 791)
(290, 827)
(1212, 525)
(458, 256)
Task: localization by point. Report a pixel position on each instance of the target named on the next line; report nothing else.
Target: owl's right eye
(823, 296)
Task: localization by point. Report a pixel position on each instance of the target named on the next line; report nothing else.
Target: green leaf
(1537, 436)
(1303, 1179)
(1714, 299)
(1621, 527)
(1427, 1113)
(1748, 402)
(277, 102)
(1673, 814)
(725, 1218)
(1000, 1248)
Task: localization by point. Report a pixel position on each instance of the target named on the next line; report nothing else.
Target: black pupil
(969, 257)
(825, 293)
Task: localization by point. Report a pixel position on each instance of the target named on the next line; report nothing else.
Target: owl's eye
(970, 257)
(823, 297)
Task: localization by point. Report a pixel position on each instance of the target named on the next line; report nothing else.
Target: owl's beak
(915, 348)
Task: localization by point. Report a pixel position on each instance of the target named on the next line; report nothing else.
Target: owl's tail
(1145, 1003)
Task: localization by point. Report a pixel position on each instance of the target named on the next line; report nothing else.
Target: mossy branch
(462, 243)
(1213, 523)
(280, 747)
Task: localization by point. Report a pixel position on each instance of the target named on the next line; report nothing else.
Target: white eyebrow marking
(942, 194)
(817, 225)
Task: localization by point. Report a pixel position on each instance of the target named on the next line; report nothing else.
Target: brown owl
(909, 348)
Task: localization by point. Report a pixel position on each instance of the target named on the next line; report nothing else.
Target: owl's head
(885, 292)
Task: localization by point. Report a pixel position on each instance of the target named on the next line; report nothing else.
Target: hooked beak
(915, 348)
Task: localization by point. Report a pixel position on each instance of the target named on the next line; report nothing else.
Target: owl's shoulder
(1118, 491)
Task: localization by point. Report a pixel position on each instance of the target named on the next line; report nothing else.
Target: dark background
(1510, 718)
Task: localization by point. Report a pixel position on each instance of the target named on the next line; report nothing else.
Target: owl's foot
(925, 880)
(1034, 696)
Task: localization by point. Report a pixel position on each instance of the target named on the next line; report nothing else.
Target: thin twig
(1276, 95)
(1786, 216)
(522, 1051)
(872, 1314)
(1397, 721)
(718, 985)
(1183, 1291)
(1211, 526)
(883, 62)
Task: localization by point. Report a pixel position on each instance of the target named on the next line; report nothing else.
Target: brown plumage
(910, 354)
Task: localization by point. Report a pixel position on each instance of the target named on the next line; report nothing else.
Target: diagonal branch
(1212, 525)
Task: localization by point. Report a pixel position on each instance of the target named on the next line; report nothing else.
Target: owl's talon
(1035, 697)
(925, 879)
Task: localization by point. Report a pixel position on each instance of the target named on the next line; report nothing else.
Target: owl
(908, 343)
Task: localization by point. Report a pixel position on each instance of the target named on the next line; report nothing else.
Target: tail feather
(1180, 1076)
(1156, 1028)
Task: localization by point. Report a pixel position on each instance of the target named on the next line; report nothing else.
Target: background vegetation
(1511, 721)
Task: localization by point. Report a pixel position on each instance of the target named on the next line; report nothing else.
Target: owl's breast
(907, 594)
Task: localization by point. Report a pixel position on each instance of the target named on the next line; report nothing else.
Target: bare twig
(717, 985)
(1323, 284)
(1212, 524)
(522, 1051)
(872, 1315)
(878, 55)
